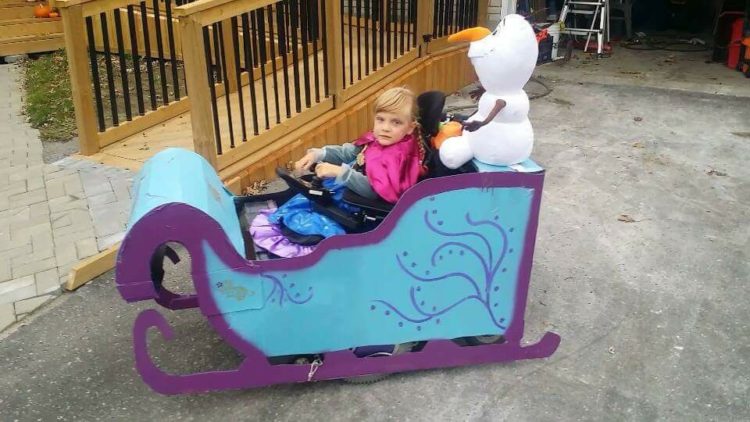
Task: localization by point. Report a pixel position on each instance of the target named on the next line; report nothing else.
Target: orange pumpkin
(42, 11)
(447, 130)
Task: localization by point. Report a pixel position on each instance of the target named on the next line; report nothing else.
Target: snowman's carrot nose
(471, 34)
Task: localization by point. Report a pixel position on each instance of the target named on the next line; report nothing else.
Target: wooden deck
(133, 151)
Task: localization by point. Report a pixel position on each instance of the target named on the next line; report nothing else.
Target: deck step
(16, 12)
(15, 28)
(31, 44)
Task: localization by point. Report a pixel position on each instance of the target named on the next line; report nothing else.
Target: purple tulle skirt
(267, 235)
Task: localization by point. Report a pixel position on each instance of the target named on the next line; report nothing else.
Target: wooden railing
(125, 65)
(255, 70)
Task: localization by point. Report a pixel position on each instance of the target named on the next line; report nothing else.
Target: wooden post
(483, 13)
(80, 80)
(334, 46)
(230, 84)
(194, 55)
(425, 19)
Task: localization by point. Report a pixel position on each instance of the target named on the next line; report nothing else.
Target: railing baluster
(272, 45)
(359, 37)
(314, 34)
(351, 45)
(172, 53)
(123, 65)
(305, 57)
(375, 21)
(238, 72)
(295, 55)
(95, 73)
(381, 19)
(402, 18)
(217, 58)
(324, 32)
(343, 50)
(368, 16)
(212, 89)
(283, 47)
(136, 61)
(148, 59)
(388, 21)
(263, 55)
(250, 66)
(160, 50)
(110, 75)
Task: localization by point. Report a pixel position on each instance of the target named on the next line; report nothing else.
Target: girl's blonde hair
(398, 100)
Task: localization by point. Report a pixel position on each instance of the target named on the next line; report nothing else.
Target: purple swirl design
(487, 260)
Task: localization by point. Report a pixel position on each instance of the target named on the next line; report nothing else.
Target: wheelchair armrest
(375, 206)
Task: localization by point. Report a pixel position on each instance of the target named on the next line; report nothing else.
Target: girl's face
(390, 128)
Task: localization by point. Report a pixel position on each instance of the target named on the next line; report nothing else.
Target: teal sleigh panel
(449, 268)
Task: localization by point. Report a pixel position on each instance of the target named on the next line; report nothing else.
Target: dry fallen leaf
(638, 118)
(713, 172)
(626, 218)
(638, 145)
(256, 188)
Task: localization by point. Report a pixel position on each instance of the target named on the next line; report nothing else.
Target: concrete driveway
(642, 265)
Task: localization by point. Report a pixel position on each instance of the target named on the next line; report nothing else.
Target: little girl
(384, 163)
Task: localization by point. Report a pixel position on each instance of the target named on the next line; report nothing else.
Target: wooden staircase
(22, 33)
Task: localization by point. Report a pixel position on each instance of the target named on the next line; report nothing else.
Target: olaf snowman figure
(500, 132)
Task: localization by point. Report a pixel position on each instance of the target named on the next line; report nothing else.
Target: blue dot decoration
(372, 307)
(400, 324)
(387, 312)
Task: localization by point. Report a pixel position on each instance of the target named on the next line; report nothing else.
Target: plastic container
(554, 32)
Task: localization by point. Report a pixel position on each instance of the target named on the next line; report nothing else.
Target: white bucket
(554, 31)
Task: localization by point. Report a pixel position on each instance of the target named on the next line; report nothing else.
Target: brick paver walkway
(51, 216)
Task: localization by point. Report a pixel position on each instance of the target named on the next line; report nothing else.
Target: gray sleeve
(341, 154)
(357, 182)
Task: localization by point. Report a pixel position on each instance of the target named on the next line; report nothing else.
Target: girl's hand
(324, 170)
(305, 162)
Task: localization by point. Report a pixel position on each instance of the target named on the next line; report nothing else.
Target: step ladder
(599, 13)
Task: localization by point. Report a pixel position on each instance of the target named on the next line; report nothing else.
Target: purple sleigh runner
(451, 260)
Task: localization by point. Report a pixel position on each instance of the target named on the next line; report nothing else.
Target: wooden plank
(31, 26)
(195, 77)
(10, 12)
(334, 44)
(232, 6)
(141, 123)
(31, 44)
(234, 185)
(80, 81)
(98, 6)
(425, 16)
(91, 267)
(482, 9)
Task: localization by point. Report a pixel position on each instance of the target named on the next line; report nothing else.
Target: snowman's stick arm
(499, 105)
